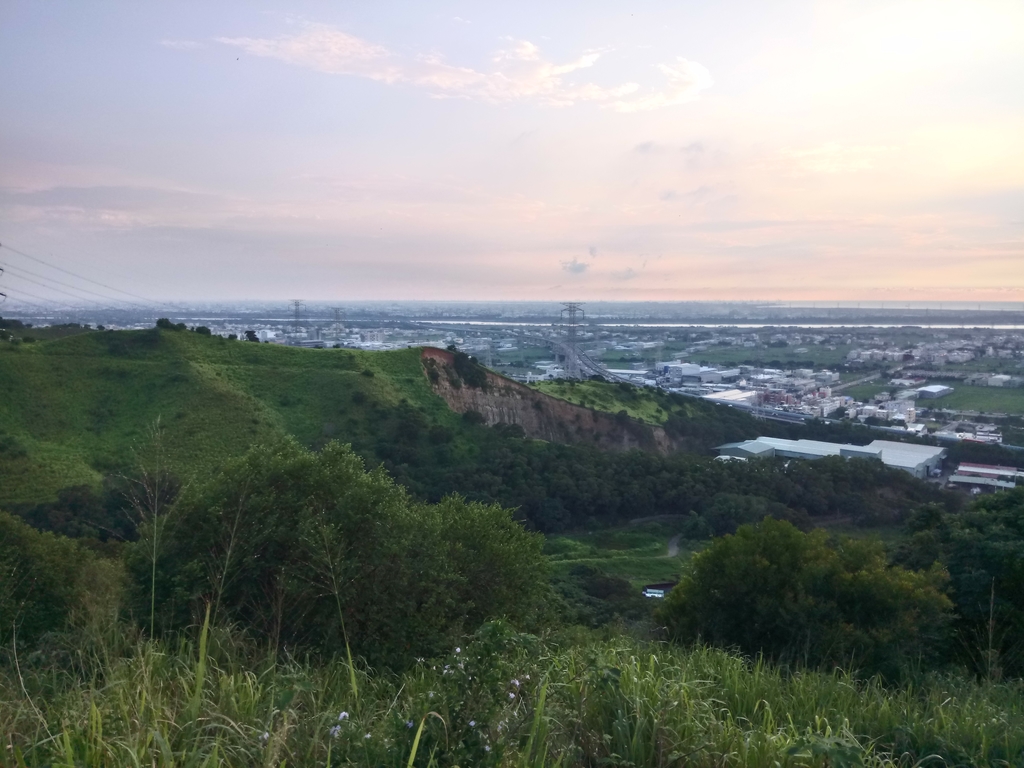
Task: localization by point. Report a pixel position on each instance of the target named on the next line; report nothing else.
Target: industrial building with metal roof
(918, 460)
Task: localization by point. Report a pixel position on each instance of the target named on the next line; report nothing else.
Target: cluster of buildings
(943, 350)
(801, 391)
(337, 336)
(977, 478)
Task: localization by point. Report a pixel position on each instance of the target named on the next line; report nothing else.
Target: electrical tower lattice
(571, 315)
(338, 328)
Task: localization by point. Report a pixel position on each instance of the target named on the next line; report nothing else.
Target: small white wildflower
(430, 694)
(472, 723)
(527, 677)
(486, 748)
(458, 650)
(515, 682)
(343, 716)
(265, 736)
(335, 730)
(511, 695)
(366, 736)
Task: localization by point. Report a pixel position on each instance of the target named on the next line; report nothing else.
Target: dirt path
(673, 545)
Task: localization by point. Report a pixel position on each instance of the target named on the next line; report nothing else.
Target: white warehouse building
(918, 460)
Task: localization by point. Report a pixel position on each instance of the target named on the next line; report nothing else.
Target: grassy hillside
(498, 699)
(649, 406)
(74, 409)
(638, 553)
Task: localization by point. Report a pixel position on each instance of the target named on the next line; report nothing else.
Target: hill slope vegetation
(80, 410)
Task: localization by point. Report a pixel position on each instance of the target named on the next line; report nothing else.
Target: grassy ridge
(73, 408)
(640, 405)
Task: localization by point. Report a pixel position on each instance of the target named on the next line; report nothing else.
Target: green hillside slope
(73, 409)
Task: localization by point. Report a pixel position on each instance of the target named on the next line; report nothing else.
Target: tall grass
(501, 699)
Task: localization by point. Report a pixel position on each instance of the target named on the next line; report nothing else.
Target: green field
(985, 399)
(785, 357)
(964, 397)
(637, 553)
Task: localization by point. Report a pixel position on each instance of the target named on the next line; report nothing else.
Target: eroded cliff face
(503, 401)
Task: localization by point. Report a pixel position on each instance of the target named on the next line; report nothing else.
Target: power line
(67, 285)
(80, 277)
(58, 290)
(20, 300)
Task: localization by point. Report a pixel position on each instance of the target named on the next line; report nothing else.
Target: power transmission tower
(297, 304)
(571, 315)
(337, 320)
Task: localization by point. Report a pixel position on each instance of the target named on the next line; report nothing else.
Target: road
(855, 382)
(673, 545)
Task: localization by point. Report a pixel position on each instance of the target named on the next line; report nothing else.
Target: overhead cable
(51, 288)
(16, 296)
(15, 270)
(80, 277)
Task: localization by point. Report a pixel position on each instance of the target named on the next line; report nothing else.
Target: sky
(736, 150)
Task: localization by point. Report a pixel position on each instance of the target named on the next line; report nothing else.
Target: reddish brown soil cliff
(503, 401)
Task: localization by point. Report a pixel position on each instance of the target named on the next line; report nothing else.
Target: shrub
(38, 576)
(771, 589)
(164, 324)
(469, 370)
(303, 548)
(983, 549)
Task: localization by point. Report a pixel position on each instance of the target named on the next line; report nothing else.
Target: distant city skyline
(795, 151)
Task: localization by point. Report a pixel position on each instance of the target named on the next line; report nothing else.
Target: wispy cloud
(836, 158)
(520, 71)
(686, 79)
(181, 45)
(575, 267)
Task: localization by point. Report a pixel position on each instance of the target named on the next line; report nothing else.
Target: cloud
(593, 251)
(626, 274)
(836, 158)
(461, 20)
(181, 45)
(575, 267)
(520, 71)
(324, 49)
(686, 79)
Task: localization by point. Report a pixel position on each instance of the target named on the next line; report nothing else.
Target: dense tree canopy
(983, 549)
(774, 590)
(305, 547)
(38, 580)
